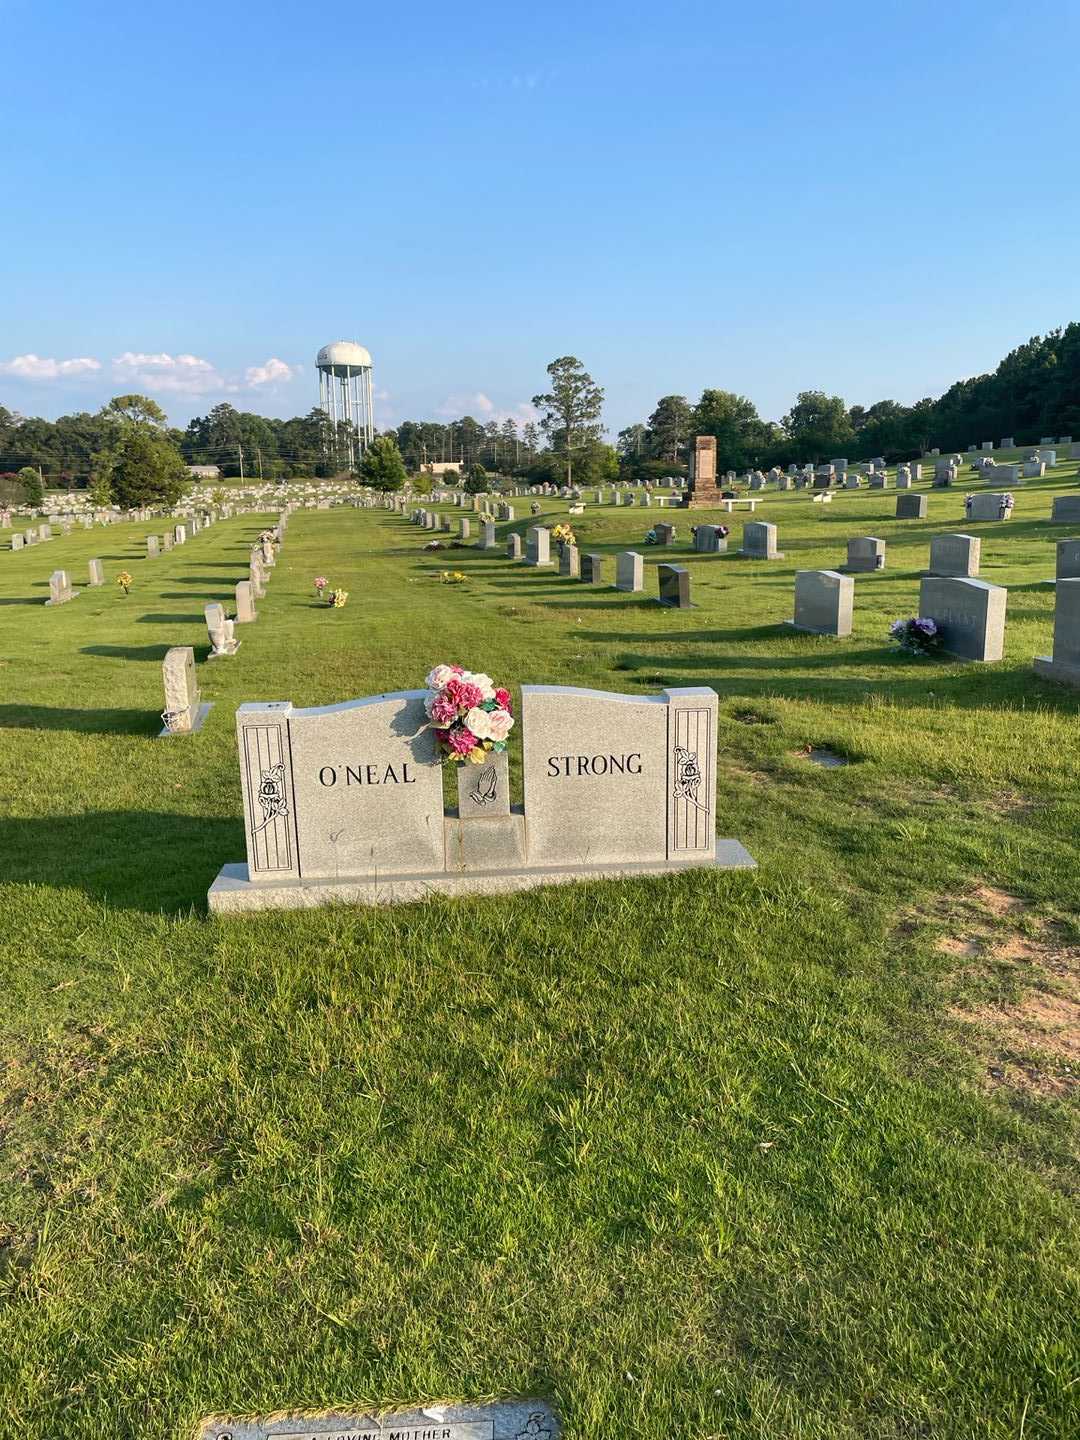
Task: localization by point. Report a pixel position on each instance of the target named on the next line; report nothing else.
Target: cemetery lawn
(782, 1153)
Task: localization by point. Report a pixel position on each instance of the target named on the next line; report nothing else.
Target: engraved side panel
(266, 774)
(691, 780)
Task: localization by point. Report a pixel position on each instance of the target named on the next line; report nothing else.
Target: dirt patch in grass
(1013, 805)
(998, 902)
(1033, 1045)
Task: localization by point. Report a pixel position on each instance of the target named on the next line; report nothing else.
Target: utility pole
(240, 452)
(258, 452)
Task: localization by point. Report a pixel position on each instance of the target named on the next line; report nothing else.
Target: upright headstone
(537, 545)
(17, 541)
(592, 569)
(708, 540)
(989, 506)
(97, 573)
(665, 533)
(487, 535)
(865, 552)
(824, 600)
(60, 591)
(151, 546)
(759, 541)
(184, 712)
(570, 562)
(1064, 664)
(245, 603)
(464, 527)
(221, 631)
(955, 555)
(513, 546)
(911, 507)
(970, 614)
(674, 581)
(1065, 510)
(1067, 565)
(629, 572)
(167, 540)
(180, 534)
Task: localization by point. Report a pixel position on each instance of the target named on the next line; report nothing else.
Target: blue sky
(873, 199)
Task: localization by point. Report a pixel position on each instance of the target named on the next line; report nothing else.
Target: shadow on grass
(169, 619)
(23, 600)
(119, 856)
(86, 722)
(128, 652)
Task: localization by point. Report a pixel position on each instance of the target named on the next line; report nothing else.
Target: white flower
(440, 676)
(479, 722)
(500, 723)
(484, 684)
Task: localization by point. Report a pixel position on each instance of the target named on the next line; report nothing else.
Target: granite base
(196, 725)
(233, 893)
(1049, 669)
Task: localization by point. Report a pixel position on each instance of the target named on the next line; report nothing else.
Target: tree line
(1035, 390)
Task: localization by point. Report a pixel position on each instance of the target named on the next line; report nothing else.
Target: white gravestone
(60, 591)
(537, 545)
(971, 614)
(759, 541)
(824, 601)
(629, 572)
(865, 552)
(184, 712)
(221, 631)
(245, 603)
(97, 573)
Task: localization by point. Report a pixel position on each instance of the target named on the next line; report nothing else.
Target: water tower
(345, 389)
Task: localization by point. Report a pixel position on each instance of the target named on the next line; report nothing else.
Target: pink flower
(500, 725)
(441, 712)
(464, 695)
(502, 699)
(320, 582)
(461, 741)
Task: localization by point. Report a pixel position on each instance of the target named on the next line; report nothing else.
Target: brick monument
(702, 492)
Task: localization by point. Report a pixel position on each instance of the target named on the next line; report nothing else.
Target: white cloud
(457, 405)
(270, 373)
(37, 367)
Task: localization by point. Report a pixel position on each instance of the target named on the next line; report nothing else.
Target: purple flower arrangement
(918, 636)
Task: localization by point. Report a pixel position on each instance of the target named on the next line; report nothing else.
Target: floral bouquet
(469, 714)
(563, 534)
(336, 599)
(918, 636)
(320, 585)
(125, 582)
(453, 577)
(650, 537)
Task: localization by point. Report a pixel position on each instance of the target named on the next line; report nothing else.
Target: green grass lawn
(783, 1153)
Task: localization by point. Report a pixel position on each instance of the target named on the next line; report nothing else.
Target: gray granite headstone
(911, 507)
(592, 569)
(537, 545)
(151, 546)
(970, 613)
(990, 506)
(629, 571)
(674, 582)
(513, 546)
(1067, 565)
(340, 791)
(665, 534)
(570, 562)
(464, 526)
(60, 591)
(865, 553)
(619, 777)
(759, 541)
(824, 600)
(709, 541)
(1064, 665)
(97, 573)
(956, 555)
(1065, 510)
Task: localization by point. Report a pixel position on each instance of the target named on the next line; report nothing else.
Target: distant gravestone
(1064, 664)
(184, 711)
(709, 540)
(864, 553)
(970, 614)
(674, 581)
(1033, 469)
(955, 555)
(97, 573)
(911, 507)
(180, 534)
(221, 631)
(1066, 510)
(665, 534)
(513, 546)
(592, 569)
(151, 546)
(903, 478)
(245, 603)
(759, 541)
(824, 600)
(570, 562)
(537, 545)
(629, 572)
(990, 506)
(167, 540)
(464, 527)
(487, 535)
(17, 542)
(60, 591)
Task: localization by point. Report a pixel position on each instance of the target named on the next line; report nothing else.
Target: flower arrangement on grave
(434, 545)
(650, 537)
(721, 530)
(337, 599)
(321, 583)
(470, 714)
(453, 577)
(562, 534)
(1008, 500)
(125, 582)
(918, 636)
